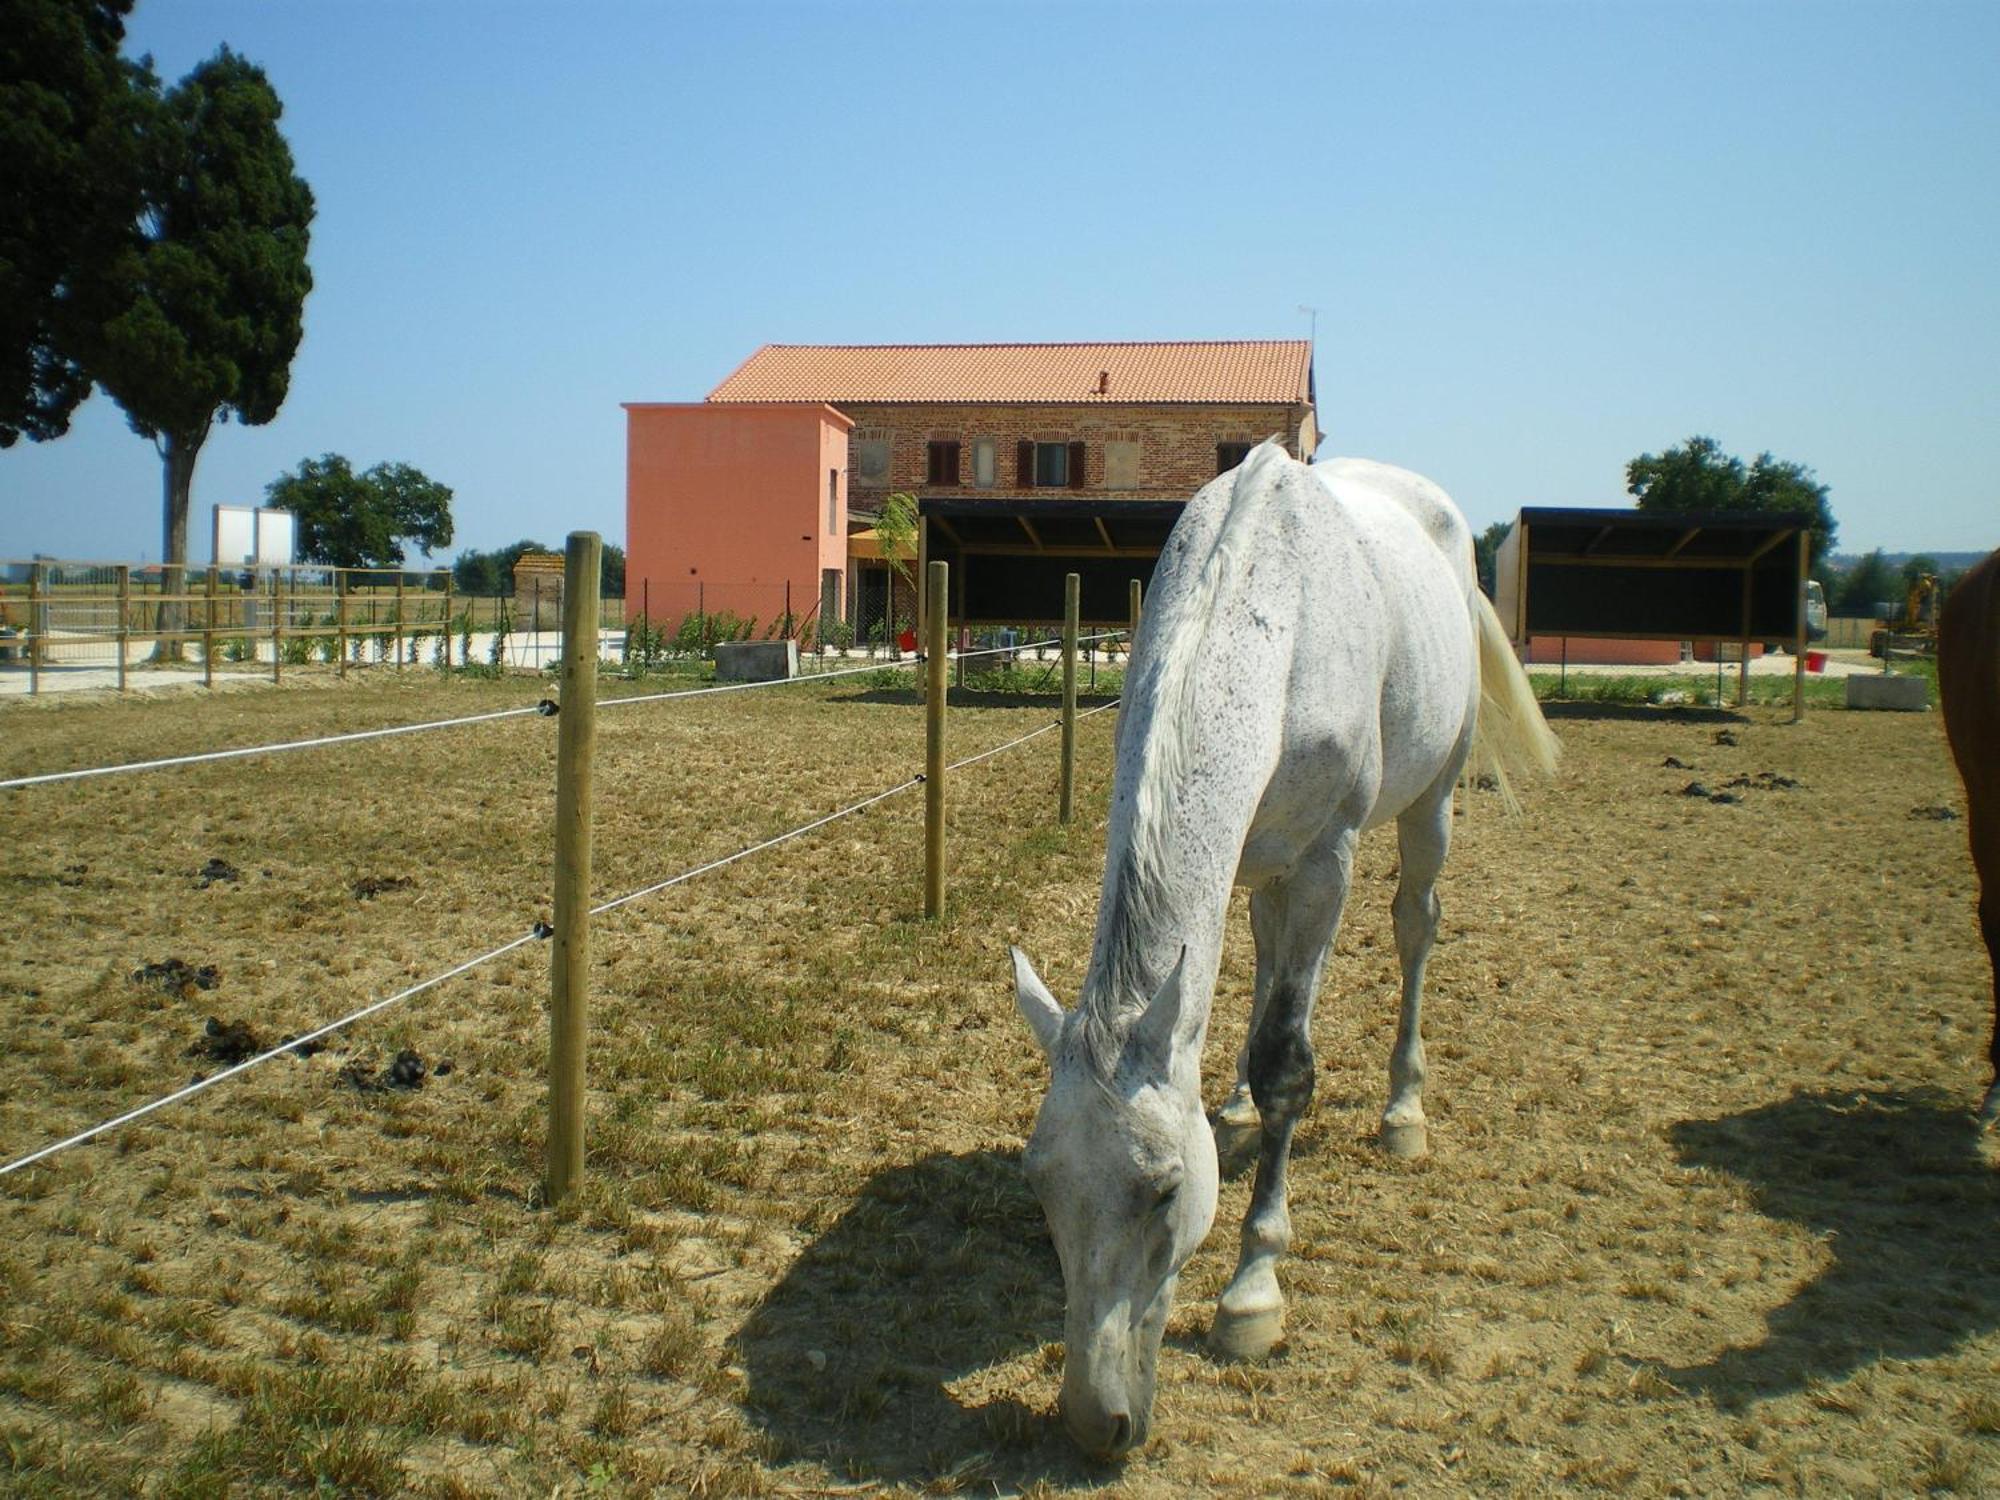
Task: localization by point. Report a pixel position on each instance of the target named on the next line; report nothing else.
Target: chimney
(1103, 382)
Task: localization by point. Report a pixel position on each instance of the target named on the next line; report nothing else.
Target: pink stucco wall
(1547, 650)
(727, 504)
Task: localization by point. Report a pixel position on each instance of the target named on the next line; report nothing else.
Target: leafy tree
(350, 520)
(896, 530)
(1486, 550)
(198, 316)
(490, 573)
(69, 193)
(1699, 476)
(1868, 583)
(1916, 567)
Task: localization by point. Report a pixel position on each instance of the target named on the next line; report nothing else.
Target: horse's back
(1384, 673)
(1436, 515)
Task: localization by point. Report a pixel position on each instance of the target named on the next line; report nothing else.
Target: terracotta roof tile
(1259, 370)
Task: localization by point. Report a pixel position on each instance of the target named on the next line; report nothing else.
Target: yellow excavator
(1916, 631)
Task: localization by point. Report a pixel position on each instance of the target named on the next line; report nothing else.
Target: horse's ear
(1158, 1029)
(1037, 1006)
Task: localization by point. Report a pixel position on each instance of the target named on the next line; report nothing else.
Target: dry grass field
(1705, 1212)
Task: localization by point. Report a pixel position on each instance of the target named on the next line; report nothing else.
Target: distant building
(1028, 461)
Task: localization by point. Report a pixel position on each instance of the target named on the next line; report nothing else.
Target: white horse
(1313, 661)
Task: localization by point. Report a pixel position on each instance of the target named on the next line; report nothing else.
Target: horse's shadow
(1897, 1184)
(1595, 710)
(938, 1270)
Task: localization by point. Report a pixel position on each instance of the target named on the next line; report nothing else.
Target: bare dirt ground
(1705, 1211)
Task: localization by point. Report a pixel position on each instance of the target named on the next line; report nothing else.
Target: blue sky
(1541, 238)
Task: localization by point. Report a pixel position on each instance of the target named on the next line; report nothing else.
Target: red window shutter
(1076, 466)
(1024, 459)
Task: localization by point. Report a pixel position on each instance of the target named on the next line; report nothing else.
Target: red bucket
(1815, 661)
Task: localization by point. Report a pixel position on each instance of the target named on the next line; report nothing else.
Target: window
(1043, 466)
(1051, 465)
(871, 461)
(833, 502)
(943, 463)
(1229, 455)
(1121, 464)
(985, 463)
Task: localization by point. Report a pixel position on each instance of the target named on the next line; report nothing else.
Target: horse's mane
(1142, 847)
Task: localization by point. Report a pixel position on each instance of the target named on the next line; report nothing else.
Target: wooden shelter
(1637, 575)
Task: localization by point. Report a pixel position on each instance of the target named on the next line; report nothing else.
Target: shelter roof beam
(1770, 544)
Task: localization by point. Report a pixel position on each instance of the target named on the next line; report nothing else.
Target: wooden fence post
(277, 622)
(1133, 600)
(208, 632)
(938, 578)
(399, 619)
(1072, 604)
(1799, 646)
(340, 582)
(569, 963)
(124, 618)
(37, 618)
(447, 622)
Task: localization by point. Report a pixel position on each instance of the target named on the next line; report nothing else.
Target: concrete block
(756, 661)
(1874, 690)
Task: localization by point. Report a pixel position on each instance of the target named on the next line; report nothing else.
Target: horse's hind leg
(1294, 921)
(1424, 835)
(1986, 861)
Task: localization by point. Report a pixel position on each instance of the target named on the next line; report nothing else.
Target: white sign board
(255, 537)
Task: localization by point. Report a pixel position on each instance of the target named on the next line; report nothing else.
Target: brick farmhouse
(1027, 462)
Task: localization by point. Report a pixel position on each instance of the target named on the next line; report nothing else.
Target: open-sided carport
(1624, 574)
(1009, 557)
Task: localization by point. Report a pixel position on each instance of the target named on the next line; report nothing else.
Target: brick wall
(1175, 444)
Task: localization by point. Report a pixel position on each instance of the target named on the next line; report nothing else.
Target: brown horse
(1969, 684)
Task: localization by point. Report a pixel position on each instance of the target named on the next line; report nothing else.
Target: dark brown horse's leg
(1989, 926)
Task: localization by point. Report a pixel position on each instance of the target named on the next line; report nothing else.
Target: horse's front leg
(1989, 926)
(1294, 920)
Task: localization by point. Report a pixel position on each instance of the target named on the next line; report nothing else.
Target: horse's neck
(1170, 861)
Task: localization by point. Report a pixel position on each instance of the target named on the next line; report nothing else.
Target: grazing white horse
(1313, 661)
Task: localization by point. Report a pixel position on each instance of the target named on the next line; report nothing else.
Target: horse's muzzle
(1104, 1435)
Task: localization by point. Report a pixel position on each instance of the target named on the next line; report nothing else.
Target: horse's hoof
(1236, 1144)
(1405, 1140)
(1246, 1335)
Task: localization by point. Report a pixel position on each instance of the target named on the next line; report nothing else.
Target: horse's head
(1123, 1161)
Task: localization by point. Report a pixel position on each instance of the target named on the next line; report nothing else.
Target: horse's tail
(1511, 733)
